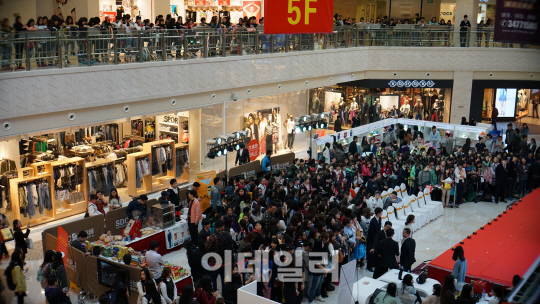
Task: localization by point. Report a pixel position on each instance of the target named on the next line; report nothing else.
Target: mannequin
(378, 110)
(342, 109)
(316, 103)
(405, 108)
(365, 111)
(289, 127)
(353, 108)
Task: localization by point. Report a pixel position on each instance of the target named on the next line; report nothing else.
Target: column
(469, 8)
(461, 96)
(161, 7)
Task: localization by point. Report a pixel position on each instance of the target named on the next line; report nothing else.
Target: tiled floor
(431, 240)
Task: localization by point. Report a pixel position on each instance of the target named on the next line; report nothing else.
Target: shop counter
(175, 234)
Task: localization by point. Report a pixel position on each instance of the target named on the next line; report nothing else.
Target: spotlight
(237, 147)
(226, 138)
(218, 153)
(211, 154)
(224, 151)
(218, 140)
(239, 134)
(304, 129)
(297, 130)
(309, 127)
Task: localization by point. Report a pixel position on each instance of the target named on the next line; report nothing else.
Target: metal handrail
(30, 50)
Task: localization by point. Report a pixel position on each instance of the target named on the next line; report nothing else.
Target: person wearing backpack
(53, 294)
(57, 268)
(46, 263)
(15, 277)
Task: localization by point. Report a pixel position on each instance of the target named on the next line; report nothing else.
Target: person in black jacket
(388, 253)
(464, 27)
(501, 177)
(242, 156)
(374, 227)
(511, 170)
(194, 256)
(353, 146)
(174, 196)
(19, 236)
(408, 248)
(337, 124)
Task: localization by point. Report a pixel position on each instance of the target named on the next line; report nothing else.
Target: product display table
(426, 289)
(364, 289)
(143, 243)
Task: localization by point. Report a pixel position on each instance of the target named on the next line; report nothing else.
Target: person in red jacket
(204, 291)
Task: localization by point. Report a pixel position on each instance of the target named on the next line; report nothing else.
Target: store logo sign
(170, 119)
(411, 83)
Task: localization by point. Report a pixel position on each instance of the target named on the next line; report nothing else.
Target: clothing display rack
(101, 176)
(182, 163)
(26, 176)
(69, 202)
(151, 182)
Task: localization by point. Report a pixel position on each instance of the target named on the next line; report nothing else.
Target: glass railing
(43, 49)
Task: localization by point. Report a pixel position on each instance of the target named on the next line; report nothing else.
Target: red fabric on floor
(503, 249)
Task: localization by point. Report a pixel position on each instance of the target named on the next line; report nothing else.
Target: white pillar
(469, 8)
(461, 96)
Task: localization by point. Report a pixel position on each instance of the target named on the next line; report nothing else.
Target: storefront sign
(170, 119)
(412, 83)
(298, 16)
(62, 243)
(224, 2)
(517, 21)
(253, 148)
(206, 179)
(176, 235)
(283, 161)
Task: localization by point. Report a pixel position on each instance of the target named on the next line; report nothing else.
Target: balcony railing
(31, 50)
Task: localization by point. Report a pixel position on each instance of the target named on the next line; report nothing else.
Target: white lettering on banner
(122, 223)
(281, 166)
(527, 25)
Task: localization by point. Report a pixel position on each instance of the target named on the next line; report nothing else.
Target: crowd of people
(74, 31)
(330, 205)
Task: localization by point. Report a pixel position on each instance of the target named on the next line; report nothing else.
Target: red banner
(224, 2)
(253, 148)
(62, 244)
(298, 16)
(321, 132)
(200, 2)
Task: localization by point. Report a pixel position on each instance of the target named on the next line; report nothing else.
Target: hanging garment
(30, 208)
(179, 162)
(45, 197)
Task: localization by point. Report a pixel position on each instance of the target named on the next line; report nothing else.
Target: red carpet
(503, 249)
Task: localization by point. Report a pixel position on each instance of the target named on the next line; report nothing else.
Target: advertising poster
(505, 102)
(252, 8)
(206, 179)
(517, 21)
(176, 235)
(264, 126)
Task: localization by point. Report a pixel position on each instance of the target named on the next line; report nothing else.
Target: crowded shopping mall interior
(265, 151)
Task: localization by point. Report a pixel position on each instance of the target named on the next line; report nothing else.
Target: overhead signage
(411, 83)
(298, 16)
(517, 21)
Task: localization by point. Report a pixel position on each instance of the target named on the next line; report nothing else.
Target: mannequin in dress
(342, 109)
(315, 104)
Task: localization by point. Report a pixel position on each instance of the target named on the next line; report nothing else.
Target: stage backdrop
(517, 21)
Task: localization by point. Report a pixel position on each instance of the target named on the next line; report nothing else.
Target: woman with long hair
(152, 295)
(17, 275)
(230, 288)
(408, 223)
(460, 265)
(48, 259)
(448, 290)
(388, 297)
(167, 286)
(20, 237)
(435, 298)
(141, 285)
(204, 292)
(187, 295)
(114, 200)
(466, 295)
